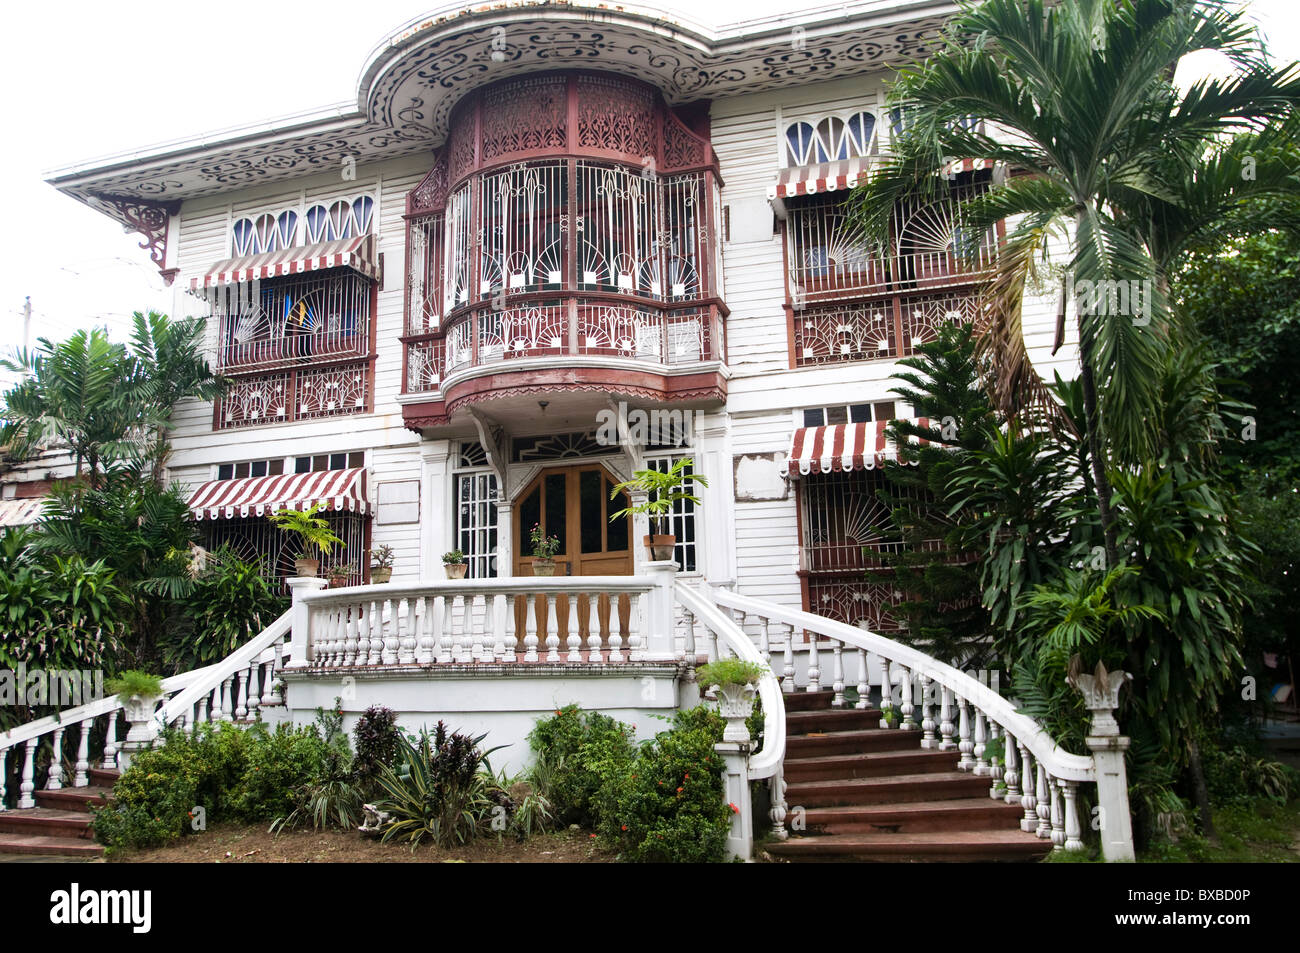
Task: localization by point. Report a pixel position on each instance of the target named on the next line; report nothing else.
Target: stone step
(835, 719)
(872, 764)
(11, 843)
(48, 821)
(807, 701)
(104, 777)
(850, 742)
(902, 788)
(939, 846)
(74, 799)
(958, 814)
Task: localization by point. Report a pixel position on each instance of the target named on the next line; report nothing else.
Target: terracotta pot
(543, 567)
(660, 547)
(455, 570)
(338, 582)
(380, 576)
(306, 567)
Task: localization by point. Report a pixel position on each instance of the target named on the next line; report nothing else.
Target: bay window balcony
(570, 223)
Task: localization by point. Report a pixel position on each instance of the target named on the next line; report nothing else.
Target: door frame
(521, 561)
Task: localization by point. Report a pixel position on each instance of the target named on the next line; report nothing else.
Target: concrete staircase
(60, 824)
(874, 794)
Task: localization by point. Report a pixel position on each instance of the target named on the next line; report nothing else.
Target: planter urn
(543, 567)
(735, 704)
(380, 576)
(455, 570)
(660, 547)
(306, 567)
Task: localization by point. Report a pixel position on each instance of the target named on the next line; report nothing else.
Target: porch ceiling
(412, 79)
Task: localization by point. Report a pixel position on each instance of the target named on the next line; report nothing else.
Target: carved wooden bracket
(150, 219)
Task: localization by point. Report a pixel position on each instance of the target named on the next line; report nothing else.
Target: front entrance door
(573, 503)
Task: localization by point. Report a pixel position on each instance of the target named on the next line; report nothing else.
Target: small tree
(664, 489)
(312, 531)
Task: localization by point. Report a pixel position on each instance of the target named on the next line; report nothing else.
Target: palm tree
(1107, 156)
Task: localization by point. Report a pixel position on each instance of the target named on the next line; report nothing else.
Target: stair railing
(1033, 771)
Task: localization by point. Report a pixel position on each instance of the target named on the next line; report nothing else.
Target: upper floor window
(830, 138)
(339, 219)
(265, 233)
(322, 222)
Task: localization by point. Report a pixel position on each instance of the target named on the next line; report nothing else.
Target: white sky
(86, 79)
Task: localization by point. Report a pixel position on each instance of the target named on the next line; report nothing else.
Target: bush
(1234, 775)
(377, 740)
(579, 748)
(277, 765)
(666, 806)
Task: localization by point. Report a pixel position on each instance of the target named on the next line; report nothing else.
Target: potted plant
(338, 575)
(732, 680)
(454, 565)
(381, 564)
(139, 693)
(314, 534)
(544, 550)
(663, 490)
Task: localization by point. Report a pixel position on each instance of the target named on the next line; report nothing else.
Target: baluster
(241, 706)
(1043, 804)
(1073, 832)
(329, 646)
(1011, 773)
(552, 630)
(476, 631)
(1027, 800)
(507, 606)
(907, 709)
(367, 650)
(927, 715)
(54, 781)
(864, 681)
(779, 807)
(406, 647)
(711, 644)
(254, 696)
(268, 678)
(965, 744)
(499, 649)
(350, 641)
(946, 727)
(886, 693)
(444, 626)
(593, 628)
(424, 626)
(1058, 814)
(573, 641)
(787, 667)
(837, 674)
(388, 625)
(465, 629)
(110, 743)
(4, 778)
(814, 665)
(530, 629)
(764, 642)
(203, 710)
(223, 709)
(995, 764)
(81, 777)
(688, 646)
(981, 769)
(27, 787)
(636, 650)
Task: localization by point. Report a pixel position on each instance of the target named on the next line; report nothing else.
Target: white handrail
(513, 585)
(215, 674)
(768, 760)
(1058, 762)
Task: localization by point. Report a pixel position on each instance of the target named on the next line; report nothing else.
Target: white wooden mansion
(551, 244)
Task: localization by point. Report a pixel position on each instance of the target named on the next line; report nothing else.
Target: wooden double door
(573, 503)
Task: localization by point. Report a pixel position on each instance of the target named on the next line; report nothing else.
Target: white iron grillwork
(293, 319)
(618, 222)
(520, 212)
(258, 539)
(522, 332)
(424, 273)
(456, 270)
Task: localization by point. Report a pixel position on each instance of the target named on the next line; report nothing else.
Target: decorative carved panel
(616, 115)
(528, 115)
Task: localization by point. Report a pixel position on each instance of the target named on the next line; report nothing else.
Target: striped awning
(262, 496)
(21, 512)
(355, 253)
(842, 447)
(812, 179)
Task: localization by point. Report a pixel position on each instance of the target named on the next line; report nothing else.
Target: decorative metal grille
(424, 360)
(456, 271)
(556, 447)
(522, 332)
(855, 602)
(424, 238)
(293, 319)
(476, 522)
(331, 391)
(258, 539)
(844, 521)
(252, 401)
(520, 221)
(888, 327)
(339, 219)
(303, 394)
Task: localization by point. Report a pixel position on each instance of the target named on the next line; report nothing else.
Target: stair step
(900, 788)
(808, 701)
(850, 742)
(47, 821)
(1004, 845)
(872, 764)
(834, 719)
(958, 814)
(104, 777)
(74, 799)
(11, 843)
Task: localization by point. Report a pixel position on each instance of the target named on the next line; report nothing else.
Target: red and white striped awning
(21, 512)
(262, 496)
(812, 179)
(355, 253)
(842, 447)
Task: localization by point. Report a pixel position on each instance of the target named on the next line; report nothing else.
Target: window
(264, 233)
(250, 468)
(830, 138)
(339, 219)
(848, 414)
(330, 461)
(684, 522)
(476, 512)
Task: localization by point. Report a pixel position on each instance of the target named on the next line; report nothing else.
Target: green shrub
(334, 795)
(1234, 775)
(377, 740)
(131, 682)
(579, 748)
(277, 765)
(666, 805)
(729, 671)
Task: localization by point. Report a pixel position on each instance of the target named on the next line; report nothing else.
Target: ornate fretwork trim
(150, 219)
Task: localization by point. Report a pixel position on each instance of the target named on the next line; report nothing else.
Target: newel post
(1101, 696)
(300, 640)
(659, 609)
(735, 789)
